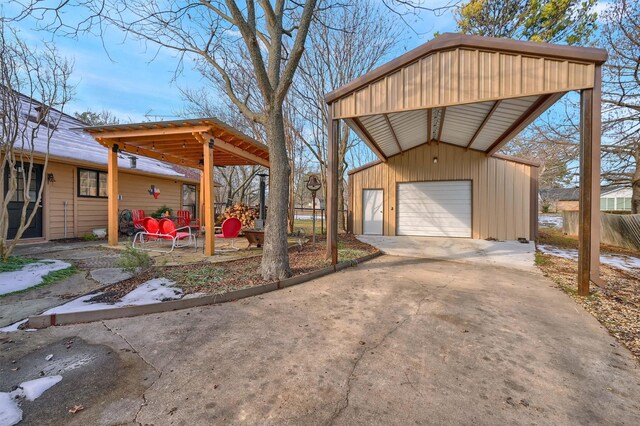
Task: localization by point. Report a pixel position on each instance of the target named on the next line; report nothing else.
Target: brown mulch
(218, 278)
(616, 305)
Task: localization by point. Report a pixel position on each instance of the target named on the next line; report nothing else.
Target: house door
(17, 202)
(372, 201)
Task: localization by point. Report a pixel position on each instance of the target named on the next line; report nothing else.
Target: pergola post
(208, 190)
(200, 213)
(589, 227)
(333, 127)
(112, 189)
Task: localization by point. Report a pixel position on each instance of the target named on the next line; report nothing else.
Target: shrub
(132, 259)
(162, 211)
(89, 236)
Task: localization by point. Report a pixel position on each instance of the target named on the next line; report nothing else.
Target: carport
(198, 143)
(462, 98)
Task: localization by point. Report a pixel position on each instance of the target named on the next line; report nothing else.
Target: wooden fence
(622, 230)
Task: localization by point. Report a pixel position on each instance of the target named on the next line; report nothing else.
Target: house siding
(85, 214)
(501, 189)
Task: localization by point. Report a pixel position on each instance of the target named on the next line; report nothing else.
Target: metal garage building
(436, 118)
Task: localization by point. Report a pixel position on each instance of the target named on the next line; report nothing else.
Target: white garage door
(435, 209)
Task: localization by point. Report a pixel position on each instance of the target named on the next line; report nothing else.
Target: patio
(202, 144)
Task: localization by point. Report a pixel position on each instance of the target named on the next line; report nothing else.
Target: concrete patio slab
(510, 254)
(392, 341)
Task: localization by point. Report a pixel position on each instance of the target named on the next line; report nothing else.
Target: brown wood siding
(85, 214)
(501, 189)
(461, 76)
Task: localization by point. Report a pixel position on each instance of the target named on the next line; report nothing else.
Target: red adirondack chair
(138, 219)
(184, 219)
(230, 229)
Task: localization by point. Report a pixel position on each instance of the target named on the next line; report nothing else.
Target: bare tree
(343, 45)
(93, 118)
(621, 96)
(34, 89)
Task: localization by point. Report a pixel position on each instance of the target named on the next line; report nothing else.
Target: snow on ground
(620, 261)
(152, 291)
(29, 276)
(10, 412)
(13, 327)
(550, 221)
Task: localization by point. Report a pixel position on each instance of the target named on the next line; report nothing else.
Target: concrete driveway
(393, 341)
(511, 254)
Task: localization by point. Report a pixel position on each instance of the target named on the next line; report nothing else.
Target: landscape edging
(44, 321)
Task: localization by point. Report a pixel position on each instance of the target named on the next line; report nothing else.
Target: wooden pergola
(198, 143)
(476, 93)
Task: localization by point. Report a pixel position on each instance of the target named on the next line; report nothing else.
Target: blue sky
(137, 82)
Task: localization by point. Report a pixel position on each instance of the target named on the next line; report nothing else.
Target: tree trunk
(635, 189)
(275, 257)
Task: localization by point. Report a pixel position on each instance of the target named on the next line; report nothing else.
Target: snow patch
(152, 291)
(13, 327)
(34, 388)
(29, 276)
(620, 261)
(550, 221)
(10, 412)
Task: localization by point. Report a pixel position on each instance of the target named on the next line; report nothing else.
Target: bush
(89, 236)
(132, 260)
(164, 210)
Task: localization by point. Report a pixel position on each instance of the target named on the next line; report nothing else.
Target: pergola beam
(444, 110)
(369, 141)
(393, 133)
(239, 152)
(112, 192)
(145, 132)
(209, 198)
(332, 187)
(484, 123)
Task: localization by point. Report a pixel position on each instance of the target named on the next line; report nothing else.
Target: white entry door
(372, 215)
(435, 209)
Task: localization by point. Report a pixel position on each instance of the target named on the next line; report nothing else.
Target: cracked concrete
(392, 341)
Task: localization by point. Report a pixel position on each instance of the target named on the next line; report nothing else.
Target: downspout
(65, 202)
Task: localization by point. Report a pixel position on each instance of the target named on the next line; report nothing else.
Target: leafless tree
(34, 89)
(219, 35)
(343, 45)
(621, 96)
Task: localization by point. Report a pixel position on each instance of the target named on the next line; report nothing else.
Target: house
(74, 200)
(612, 198)
(617, 199)
(555, 200)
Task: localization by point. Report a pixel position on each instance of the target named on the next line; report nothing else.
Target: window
(189, 198)
(20, 181)
(603, 203)
(619, 203)
(627, 203)
(611, 203)
(92, 183)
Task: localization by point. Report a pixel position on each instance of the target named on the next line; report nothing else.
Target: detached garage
(437, 117)
(440, 190)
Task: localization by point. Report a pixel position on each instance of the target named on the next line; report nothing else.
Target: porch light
(133, 162)
(50, 178)
(435, 160)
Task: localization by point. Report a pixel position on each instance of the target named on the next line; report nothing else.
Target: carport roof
(469, 91)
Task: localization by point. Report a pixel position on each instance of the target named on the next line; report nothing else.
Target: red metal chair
(138, 219)
(184, 219)
(168, 231)
(164, 229)
(231, 227)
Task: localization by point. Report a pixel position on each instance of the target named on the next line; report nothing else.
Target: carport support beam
(112, 193)
(207, 189)
(332, 187)
(589, 229)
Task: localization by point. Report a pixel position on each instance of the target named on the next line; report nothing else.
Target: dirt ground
(616, 305)
(218, 278)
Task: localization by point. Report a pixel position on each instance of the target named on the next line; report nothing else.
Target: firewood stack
(246, 214)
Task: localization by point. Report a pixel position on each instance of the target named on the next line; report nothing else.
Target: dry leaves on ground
(616, 305)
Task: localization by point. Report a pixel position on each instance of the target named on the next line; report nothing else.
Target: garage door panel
(439, 208)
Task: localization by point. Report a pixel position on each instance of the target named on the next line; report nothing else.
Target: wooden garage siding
(500, 188)
(85, 214)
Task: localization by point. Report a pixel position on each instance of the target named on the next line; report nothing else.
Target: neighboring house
(616, 198)
(567, 199)
(74, 200)
(555, 200)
